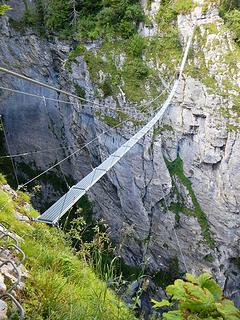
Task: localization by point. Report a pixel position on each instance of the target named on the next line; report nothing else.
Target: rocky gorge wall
(201, 192)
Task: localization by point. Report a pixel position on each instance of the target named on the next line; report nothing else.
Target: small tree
(198, 298)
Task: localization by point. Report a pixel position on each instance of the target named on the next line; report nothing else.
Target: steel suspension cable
(13, 73)
(60, 167)
(184, 59)
(78, 150)
(45, 85)
(67, 102)
(100, 107)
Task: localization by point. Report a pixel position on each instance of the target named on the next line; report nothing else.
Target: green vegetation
(200, 70)
(115, 121)
(61, 284)
(170, 9)
(232, 127)
(35, 18)
(176, 169)
(226, 6)
(79, 91)
(5, 163)
(106, 87)
(205, 71)
(166, 277)
(197, 298)
(133, 74)
(4, 8)
(158, 130)
(115, 22)
(86, 19)
(110, 121)
(209, 258)
(96, 64)
(233, 22)
(56, 17)
(79, 50)
(183, 6)
(230, 11)
(165, 48)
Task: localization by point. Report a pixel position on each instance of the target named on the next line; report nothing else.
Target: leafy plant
(80, 91)
(227, 5)
(183, 6)
(136, 46)
(4, 8)
(233, 22)
(197, 298)
(57, 18)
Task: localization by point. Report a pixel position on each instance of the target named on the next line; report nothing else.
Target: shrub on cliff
(233, 22)
(4, 8)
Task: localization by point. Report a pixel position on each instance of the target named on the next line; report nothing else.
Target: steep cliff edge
(55, 282)
(201, 129)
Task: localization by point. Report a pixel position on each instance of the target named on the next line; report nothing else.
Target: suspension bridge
(59, 208)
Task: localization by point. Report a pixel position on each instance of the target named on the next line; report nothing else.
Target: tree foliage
(87, 19)
(233, 22)
(57, 15)
(198, 298)
(230, 11)
(227, 5)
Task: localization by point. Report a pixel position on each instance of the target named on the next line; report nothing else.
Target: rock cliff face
(151, 195)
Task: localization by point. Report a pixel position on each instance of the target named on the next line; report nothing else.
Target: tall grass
(60, 285)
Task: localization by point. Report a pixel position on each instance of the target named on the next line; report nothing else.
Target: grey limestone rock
(135, 197)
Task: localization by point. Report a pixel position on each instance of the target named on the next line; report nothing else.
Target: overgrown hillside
(58, 282)
(60, 285)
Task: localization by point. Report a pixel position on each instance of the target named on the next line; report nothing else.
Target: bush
(95, 18)
(136, 46)
(80, 91)
(170, 9)
(198, 298)
(86, 28)
(34, 18)
(83, 19)
(136, 68)
(106, 87)
(126, 29)
(233, 22)
(4, 8)
(106, 17)
(58, 14)
(227, 5)
(134, 13)
(183, 6)
(76, 52)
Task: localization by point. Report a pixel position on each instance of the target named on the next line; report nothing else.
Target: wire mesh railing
(9, 252)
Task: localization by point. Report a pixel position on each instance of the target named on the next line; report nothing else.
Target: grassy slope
(60, 286)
